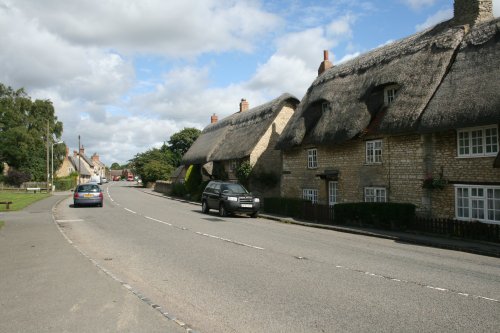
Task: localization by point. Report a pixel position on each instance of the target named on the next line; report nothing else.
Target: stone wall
(264, 158)
(406, 161)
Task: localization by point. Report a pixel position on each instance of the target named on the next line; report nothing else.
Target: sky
(125, 75)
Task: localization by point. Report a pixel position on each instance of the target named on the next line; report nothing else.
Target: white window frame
(375, 194)
(374, 149)
(310, 194)
(312, 158)
(477, 141)
(333, 193)
(477, 203)
(390, 93)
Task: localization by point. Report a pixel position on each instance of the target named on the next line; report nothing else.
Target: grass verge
(20, 200)
(1, 224)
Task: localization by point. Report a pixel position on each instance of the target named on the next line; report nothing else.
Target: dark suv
(229, 198)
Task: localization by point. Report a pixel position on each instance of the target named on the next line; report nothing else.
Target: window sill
(476, 156)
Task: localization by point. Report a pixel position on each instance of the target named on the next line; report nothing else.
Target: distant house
(99, 167)
(82, 164)
(413, 121)
(248, 135)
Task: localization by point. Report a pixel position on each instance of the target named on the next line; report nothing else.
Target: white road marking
(130, 210)
(230, 241)
(64, 221)
(159, 221)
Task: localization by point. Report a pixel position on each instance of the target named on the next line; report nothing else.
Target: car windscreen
(234, 189)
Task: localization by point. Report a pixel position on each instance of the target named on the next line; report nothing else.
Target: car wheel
(204, 207)
(222, 210)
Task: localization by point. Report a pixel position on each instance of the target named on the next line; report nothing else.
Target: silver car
(88, 194)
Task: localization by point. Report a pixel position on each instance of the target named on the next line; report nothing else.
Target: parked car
(130, 178)
(116, 178)
(88, 194)
(104, 180)
(229, 198)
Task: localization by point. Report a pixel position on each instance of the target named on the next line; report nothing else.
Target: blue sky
(125, 75)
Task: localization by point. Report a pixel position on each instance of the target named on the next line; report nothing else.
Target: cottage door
(332, 193)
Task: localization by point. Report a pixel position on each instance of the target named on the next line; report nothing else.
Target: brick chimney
(472, 11)
(325, 64)
(75, 153)
(244, 105)
(82, 150)
(214, 119)
(95, 157)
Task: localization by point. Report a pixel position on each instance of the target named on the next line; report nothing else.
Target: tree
(23, 132)
(180, 142)
(142, 166)
(115, 166)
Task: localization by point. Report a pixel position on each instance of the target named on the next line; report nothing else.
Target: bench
(36, 189)
(6, 203)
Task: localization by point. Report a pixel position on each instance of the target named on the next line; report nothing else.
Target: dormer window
(390, 94)
(324, 107)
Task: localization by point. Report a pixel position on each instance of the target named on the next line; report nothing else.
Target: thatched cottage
(414, 121)
(248, 135)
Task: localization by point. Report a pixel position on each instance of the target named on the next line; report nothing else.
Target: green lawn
(20, 200)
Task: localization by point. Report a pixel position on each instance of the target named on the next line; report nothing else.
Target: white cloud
(438, 17)
(496, 8)
(418, 4)
(173, 28)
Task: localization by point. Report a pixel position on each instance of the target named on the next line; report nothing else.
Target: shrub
(66, 183)
(243, 172)
(379, 214)
(179, 190)
(16, 178)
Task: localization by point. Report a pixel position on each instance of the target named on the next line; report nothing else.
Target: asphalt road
(239, 274)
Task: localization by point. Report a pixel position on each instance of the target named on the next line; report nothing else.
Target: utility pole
(48, 170)
(79, 166)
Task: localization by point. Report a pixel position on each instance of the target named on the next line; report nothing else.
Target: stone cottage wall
(264, 158)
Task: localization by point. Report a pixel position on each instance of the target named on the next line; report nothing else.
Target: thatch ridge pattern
(235, 136)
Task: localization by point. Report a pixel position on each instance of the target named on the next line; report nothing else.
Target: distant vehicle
(104, 180)
(116, 178)
(130, 178)
(229, 198)
(88, 194)
(96, 179)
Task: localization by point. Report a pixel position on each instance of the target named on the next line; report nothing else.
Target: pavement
(455, 244)
(47, 285)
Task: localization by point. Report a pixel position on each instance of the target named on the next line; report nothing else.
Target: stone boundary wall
(162, 186)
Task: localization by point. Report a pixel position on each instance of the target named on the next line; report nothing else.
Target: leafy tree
(161, 155)
(180, 142)
(115, 166)
(23, 132)
(156, 170)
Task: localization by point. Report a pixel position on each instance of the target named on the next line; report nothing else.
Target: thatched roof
(470, 93)
(235, 136)
(417, 65)
(79, 166)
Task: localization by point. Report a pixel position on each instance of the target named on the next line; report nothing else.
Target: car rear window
(88, 188)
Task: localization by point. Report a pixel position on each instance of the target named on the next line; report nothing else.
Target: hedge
(378, 214)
